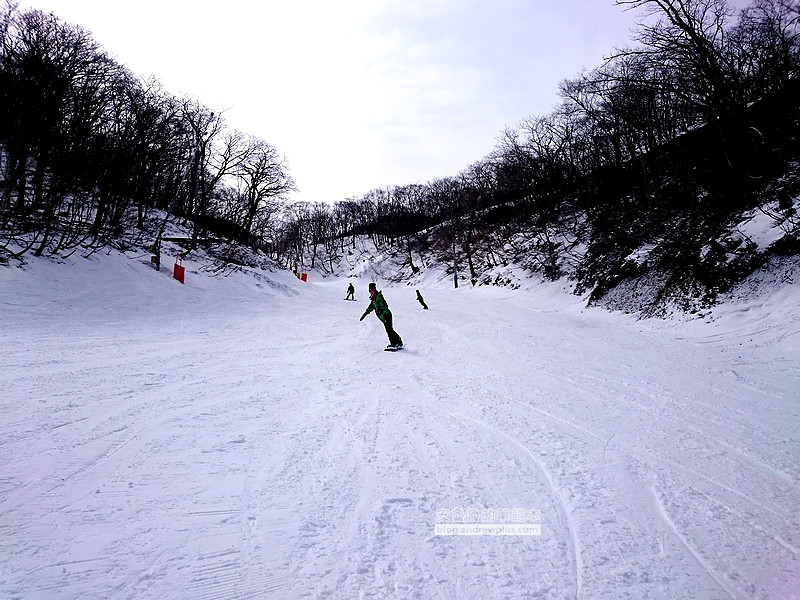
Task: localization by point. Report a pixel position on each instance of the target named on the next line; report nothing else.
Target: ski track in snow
(686, 545)
(236, 438)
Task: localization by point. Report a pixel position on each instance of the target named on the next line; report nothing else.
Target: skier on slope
(421, 300)
(378, 304)
(350, 292)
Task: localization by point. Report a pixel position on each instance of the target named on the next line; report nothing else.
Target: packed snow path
(242, 438)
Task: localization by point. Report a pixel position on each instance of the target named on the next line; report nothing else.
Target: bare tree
(766, 44)
(263, 179)
(691, 36)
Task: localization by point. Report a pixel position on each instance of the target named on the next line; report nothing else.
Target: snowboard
(392, 348)
(351, 299)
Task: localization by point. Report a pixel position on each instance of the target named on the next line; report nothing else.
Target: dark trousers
(394, 339)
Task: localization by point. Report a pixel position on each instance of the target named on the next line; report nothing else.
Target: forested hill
(673, 227)
(672, 168)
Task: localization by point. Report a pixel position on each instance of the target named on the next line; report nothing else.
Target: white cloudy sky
(359, 94)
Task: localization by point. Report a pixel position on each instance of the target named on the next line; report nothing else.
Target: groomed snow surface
(247, 437)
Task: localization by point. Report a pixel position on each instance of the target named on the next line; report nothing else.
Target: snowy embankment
(247, 438)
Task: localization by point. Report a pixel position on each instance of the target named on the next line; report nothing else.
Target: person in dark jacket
(421, 300)
(350, 292)
(378, 304)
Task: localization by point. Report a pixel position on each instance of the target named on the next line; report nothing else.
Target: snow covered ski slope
(241, 437)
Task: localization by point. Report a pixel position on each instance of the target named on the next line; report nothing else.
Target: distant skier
(378, 304)
(421, 300)
(351, 292)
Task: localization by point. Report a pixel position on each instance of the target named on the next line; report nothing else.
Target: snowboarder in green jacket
(378, 304)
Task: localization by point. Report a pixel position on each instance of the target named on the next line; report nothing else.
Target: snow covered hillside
(241, 437)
